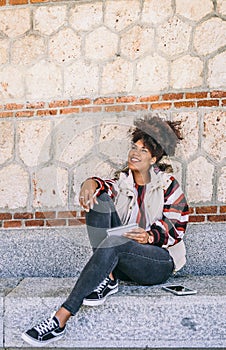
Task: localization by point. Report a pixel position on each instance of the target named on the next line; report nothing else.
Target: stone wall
(73, 77)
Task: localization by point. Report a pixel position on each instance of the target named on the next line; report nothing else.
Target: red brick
(82, 213)
(69, 110)
(218, 94)
(5, 216)
(76, 222)
(12, 106)
(192, 95)
(23, 216)
(26, 114)
(161, 105)
(223, 209)
(35, 1)
(91, 109)
(188, 104)
(104, 100)
(45, 214)
(149, 98)
(115, 109)
(6, 114)
(2, 2)
(81, 102)
(206, 210)
(35, 105)
(172, 96)
(126, 99)
(196, 218)
(44, 112)
(137, 107)
(55, 104)
(12, 223)
(191, 210)
(66, 214)
(34, 223)
(208, 103)
(18, 2)
(216, 218)
(56, 222)
(223, 102)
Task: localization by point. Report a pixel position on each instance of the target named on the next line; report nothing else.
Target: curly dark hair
(159, 136)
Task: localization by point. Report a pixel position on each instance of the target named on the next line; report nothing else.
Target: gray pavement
(35, 280)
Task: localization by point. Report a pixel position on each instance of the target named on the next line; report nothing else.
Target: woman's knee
(113, 242)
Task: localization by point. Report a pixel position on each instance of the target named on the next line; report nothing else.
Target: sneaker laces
(102, 285)
(46, 326)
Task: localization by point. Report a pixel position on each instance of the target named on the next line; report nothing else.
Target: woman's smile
(140, 158)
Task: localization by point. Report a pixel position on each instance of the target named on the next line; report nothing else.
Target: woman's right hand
(87, 197)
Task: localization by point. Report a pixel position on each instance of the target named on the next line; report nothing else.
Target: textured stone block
(173, 37)
(117, 76)
(6, 285)
(210, 36)
(81, 79)
(101, 44)
(15, 22)
(194, 10)
(135, 315)
(206, 249)
(28, 49)
(65, 46)
(221, 193)
(50, 187)
(189, 129)
(90, 13)
(152, 73)
(157, 11)
(74, 139)
(43, 252)
(62, 252)
(11, 82)
(200, 180)
(137, 41)
(213, 140)
(120, 14)
(6, 140)
(14, 184)
(47, 19)
(34, 141)
(186, 72)
(216, 72)
(4, 46)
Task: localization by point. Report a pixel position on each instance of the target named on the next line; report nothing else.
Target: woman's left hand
(139, 235)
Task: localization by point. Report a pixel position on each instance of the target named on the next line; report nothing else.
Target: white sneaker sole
(37, 343)
(91, 302)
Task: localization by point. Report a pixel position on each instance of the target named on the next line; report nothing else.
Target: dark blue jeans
(144, 264)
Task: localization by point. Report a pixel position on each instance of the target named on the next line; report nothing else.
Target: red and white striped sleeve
(106, 186)
(171, 228)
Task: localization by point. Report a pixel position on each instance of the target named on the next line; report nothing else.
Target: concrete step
(39, 252)
(136, 317)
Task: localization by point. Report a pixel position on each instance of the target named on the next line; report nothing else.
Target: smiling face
(140, 158)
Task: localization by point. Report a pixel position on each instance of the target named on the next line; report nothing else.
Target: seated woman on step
(144, 192)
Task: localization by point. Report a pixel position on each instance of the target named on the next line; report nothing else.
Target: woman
(145, 193)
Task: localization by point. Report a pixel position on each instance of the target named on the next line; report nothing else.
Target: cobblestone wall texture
(73, 77)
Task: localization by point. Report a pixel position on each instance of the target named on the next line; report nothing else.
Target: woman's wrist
(150, 237)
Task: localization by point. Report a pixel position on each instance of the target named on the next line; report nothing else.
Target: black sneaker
(98, 296)
(44, 333)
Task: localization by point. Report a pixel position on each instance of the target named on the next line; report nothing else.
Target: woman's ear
(153, 160)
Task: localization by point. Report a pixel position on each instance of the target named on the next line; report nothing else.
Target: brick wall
(75, 75)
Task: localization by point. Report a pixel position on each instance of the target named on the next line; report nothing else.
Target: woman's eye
(144, 150)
